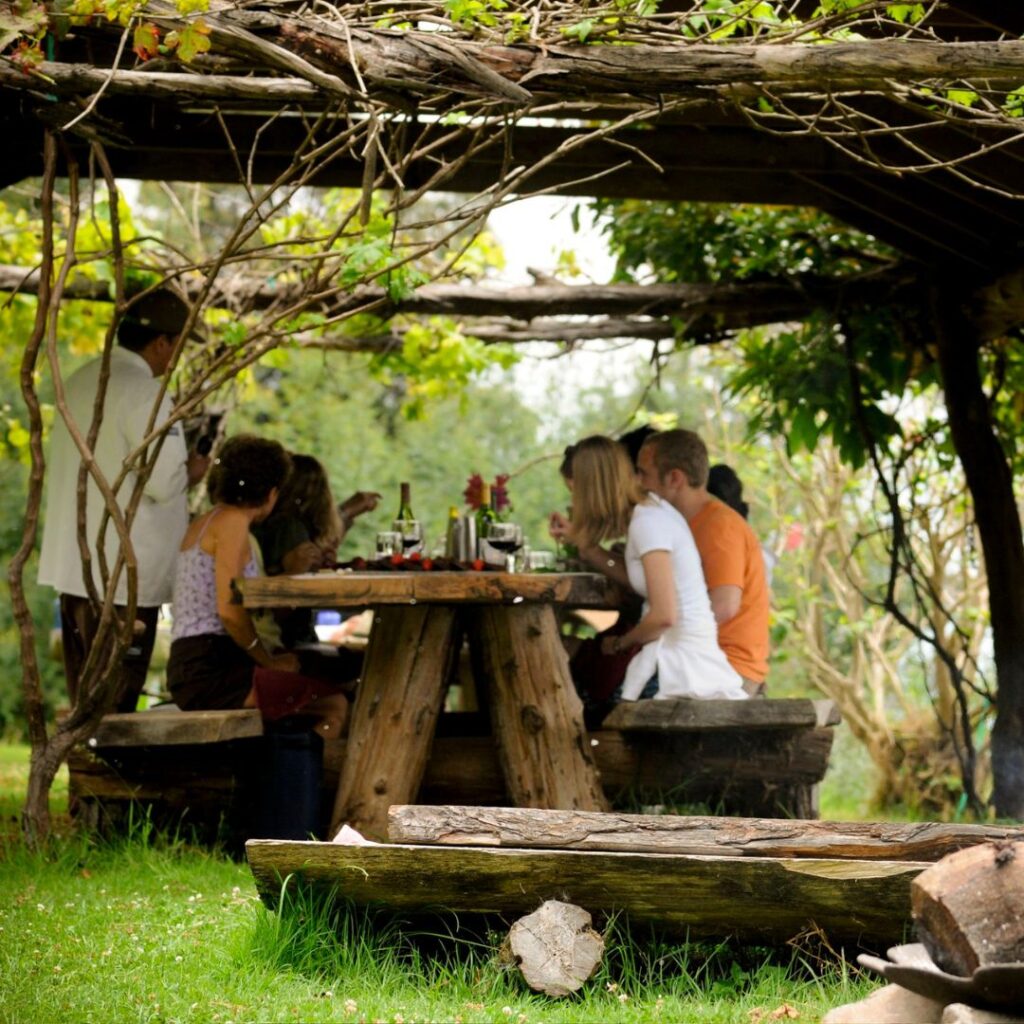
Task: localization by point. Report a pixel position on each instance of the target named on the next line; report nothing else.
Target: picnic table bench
(761, 758)
(198, 766)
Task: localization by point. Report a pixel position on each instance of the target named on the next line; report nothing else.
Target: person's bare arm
(662, 609)
(304, 557)
(231, 553)
(611, 565)
(354, 506)
(725, 602)
(607, 562)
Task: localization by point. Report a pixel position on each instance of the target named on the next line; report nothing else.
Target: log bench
(191, 768)
(761, 758)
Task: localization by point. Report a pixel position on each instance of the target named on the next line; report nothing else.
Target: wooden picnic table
(419, 621)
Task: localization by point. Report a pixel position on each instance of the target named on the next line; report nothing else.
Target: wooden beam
(750, 898)
(728, 305)
(172, 728)
(420, 63)
(527, 828)
(683, 715)
(358, 590)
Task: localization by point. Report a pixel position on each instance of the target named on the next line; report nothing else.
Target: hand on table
(304, 557)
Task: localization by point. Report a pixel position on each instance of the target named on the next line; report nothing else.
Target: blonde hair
(605, 491)
(307, 497)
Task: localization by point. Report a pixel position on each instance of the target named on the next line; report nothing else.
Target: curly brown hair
(247, 468)
(307, 497)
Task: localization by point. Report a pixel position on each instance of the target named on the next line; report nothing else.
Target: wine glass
(506, 538)
(412, 534)
(389, 542)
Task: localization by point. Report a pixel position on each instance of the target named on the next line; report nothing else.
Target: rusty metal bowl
(995, 987)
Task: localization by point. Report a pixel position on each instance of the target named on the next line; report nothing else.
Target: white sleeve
(649, 531)
(169, 478)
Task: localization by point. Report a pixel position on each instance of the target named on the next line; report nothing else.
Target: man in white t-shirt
(146, 339)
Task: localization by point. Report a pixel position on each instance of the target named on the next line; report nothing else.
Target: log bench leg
(536, 715)
(397, 703)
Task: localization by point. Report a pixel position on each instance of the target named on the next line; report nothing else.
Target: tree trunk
(990, 480)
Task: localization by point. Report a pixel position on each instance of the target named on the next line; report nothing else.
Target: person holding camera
(147, 336)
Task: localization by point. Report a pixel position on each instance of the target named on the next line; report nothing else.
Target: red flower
(499, 492)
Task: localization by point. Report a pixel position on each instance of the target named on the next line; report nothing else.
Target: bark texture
(668, 833)
(392, 724)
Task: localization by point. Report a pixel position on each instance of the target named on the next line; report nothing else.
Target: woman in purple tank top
(215, 650)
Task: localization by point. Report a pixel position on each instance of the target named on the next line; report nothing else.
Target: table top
(344, 589)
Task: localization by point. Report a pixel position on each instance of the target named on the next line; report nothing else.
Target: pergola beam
(414, 63)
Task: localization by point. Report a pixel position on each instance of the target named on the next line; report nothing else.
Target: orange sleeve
(723, 552)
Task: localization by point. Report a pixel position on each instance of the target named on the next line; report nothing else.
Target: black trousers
(79, 622)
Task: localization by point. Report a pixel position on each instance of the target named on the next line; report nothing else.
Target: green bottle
(485, 515)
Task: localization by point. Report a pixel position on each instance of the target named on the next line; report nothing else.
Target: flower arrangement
(499, 492)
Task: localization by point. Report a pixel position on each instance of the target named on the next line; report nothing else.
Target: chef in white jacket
(146, 339)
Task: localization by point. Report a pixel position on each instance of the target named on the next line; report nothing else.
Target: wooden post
(537, 717)
(397, 704)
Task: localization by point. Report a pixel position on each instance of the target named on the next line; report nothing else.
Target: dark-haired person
(216, 653)
(725, 485)
(146, 338)
(674, 466)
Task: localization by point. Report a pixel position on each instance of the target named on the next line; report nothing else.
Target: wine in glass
(412, 534)
(506, 538)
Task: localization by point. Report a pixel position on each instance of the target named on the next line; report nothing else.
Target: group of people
(271, 512)
(702, 630)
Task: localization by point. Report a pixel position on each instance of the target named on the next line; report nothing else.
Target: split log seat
(191, 768)
(760, 758)
(756, 879)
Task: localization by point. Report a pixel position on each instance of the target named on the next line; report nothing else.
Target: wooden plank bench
(758, 758)
(191, 768)
(761, 758)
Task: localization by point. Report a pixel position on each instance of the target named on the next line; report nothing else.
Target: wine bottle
(404, 505)
(484, 517)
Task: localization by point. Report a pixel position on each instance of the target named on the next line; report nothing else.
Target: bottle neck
(404, 502)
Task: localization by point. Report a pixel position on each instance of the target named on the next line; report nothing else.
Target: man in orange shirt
(674, 465)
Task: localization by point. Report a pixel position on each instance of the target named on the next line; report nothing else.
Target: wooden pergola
(165, 121)
(905, 130)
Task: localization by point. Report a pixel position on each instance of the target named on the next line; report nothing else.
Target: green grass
(156, 930)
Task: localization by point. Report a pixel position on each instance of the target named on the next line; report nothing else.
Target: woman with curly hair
(677, 652)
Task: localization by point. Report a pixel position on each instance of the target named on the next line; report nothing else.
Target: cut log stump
(556, 948)
(969, 908)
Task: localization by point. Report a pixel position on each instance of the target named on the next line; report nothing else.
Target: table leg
(536, 715)
(396, 708)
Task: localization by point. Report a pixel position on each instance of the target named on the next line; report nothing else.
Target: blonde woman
(676, 640)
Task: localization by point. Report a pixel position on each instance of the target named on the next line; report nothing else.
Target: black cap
(162, 311)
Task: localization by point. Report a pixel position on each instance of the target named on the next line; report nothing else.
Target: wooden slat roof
(709, 152)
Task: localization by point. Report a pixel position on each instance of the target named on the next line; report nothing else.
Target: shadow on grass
(324, 937)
